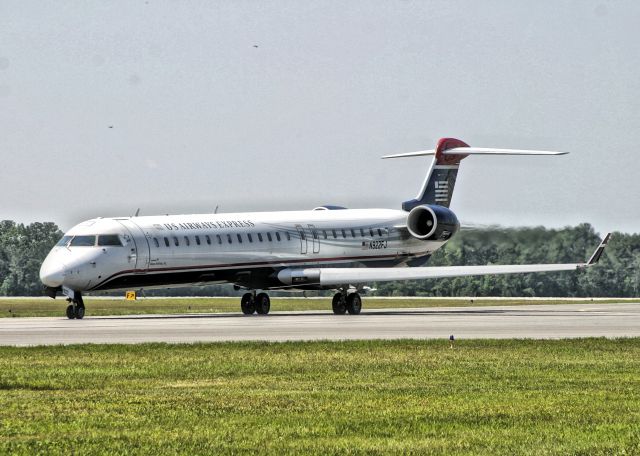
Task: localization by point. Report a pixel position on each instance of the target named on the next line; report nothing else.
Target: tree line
(24, 247)
(22, 251)
(617, 274)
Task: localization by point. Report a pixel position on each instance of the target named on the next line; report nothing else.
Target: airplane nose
(52, 274)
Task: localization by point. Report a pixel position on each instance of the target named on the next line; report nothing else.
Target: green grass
(482, 397)
(46, 307)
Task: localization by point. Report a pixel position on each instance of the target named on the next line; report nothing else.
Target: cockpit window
(109, 240)
(83, 241)
(64, 241)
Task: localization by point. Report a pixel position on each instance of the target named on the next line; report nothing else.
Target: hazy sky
(108, 106)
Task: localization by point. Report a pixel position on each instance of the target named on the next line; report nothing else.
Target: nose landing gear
(76, 307)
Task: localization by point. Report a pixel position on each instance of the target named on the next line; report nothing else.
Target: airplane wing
(354, 276)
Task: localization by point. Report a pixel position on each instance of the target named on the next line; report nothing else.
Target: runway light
(451, 339)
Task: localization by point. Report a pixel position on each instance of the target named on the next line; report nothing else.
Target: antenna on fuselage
(137, 212)
(216, 210)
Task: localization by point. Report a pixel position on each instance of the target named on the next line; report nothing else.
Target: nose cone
(52, 272)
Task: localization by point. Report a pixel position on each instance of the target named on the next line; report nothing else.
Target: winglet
(599, 251)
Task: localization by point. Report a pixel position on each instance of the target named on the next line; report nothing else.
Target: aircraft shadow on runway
(511, 312)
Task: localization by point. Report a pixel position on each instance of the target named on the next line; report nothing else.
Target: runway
(499, 322)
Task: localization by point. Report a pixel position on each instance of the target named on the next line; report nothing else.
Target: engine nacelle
(431, 222)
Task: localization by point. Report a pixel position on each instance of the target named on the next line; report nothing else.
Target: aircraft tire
(79, 311)
(354, 304)
(70, 312)
(247, 304)
(263, 303)
(338, 304)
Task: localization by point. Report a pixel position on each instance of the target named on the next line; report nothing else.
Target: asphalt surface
(500, 322)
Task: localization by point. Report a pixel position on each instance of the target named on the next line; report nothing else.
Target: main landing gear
(76, 307)
(343, 303)
(258, 303)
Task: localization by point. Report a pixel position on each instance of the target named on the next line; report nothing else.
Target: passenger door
(138, 244)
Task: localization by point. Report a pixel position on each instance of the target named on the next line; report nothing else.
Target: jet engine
(432, 222)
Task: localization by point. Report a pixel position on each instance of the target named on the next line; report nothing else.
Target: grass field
(47, 307)
(482, 397)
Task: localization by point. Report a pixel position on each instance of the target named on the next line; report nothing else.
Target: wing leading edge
(353, 276)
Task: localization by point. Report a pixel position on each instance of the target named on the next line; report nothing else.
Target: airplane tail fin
(440, 180)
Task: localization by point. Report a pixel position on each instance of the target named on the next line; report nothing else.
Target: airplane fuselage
(247, 249)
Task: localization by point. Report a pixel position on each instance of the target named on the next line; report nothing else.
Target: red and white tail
(440, 181)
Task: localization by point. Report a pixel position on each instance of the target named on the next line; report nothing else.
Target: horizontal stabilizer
(477, 151)
(440, 180)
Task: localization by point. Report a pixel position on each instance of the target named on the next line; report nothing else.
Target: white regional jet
(329, 247)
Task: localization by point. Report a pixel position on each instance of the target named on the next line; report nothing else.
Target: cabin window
(219, 238)
(249, 237)
(83, 241)
(186, 241)
(269, 237)
(260, 237)
(361, 232)
(344, 234)
(239, 238)
(379, 232)
(288, 235)
(208, 238)
(371, 232)
(278, 236)
(109, 240)
(155, 241)
(353, 233)
(335, 236)
(324, 233)
(229, 240)
(198, 240)
(175, 241)
(166, 241)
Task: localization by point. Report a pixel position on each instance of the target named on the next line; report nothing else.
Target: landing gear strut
(343, 303)
(76, 307)
(259, 303)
